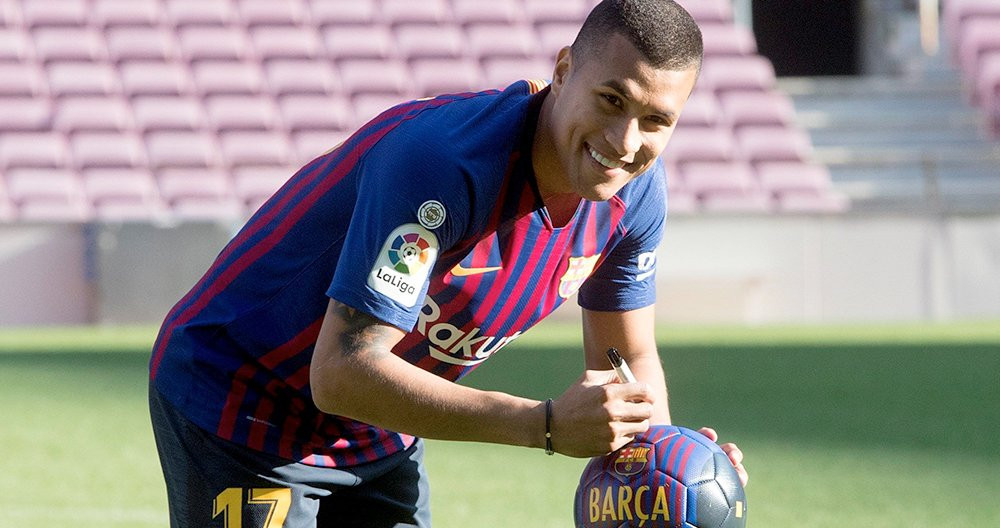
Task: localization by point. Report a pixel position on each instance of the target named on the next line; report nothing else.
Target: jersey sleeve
(626, 279)
(411, 205)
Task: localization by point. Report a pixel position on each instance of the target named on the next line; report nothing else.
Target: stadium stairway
(904, 143)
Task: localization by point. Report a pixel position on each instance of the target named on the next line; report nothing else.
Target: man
(438, 233)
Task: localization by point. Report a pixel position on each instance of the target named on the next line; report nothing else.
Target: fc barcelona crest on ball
(631, 460)
(579, 269)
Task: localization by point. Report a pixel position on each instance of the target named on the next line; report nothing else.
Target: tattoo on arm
(362, 334)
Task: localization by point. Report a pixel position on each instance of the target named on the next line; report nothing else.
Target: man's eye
(612, 99)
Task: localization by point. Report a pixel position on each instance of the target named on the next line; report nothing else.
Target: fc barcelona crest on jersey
(631, 460)
(579, 269)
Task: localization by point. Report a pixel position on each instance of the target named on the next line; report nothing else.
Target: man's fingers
(734, 453)
(710, 433)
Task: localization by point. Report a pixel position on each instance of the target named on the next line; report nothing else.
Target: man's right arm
(355, 374)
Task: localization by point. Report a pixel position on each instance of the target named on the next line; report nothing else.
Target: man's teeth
(605, 161)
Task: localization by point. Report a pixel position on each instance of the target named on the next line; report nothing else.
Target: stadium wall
(757, 270)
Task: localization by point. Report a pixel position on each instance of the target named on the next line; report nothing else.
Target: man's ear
(564, 61)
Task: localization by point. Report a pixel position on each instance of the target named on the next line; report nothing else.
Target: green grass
(876, 426)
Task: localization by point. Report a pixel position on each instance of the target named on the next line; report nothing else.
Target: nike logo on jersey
(460, 271)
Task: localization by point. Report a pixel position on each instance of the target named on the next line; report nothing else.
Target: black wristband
(548, 427)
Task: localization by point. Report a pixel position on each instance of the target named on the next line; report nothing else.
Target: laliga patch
(404, 264)
(431, 214)
(631, 460)
(579, 269)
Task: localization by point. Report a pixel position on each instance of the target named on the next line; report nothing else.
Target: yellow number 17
(229, 504)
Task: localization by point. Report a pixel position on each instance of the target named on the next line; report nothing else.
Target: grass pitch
(874, 427)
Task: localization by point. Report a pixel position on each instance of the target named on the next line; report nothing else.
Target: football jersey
(427, 218)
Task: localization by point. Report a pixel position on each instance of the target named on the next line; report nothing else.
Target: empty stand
(199, 109)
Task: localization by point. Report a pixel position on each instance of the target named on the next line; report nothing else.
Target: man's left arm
(632, 333)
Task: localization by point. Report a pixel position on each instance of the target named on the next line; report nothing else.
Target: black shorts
(212, 482)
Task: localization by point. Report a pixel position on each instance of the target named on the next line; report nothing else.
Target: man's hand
(735, 455)
(597, 415)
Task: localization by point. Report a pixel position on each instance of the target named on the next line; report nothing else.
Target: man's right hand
(597, 414)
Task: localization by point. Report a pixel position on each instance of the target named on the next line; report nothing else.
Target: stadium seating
(972, 28)
(126, 107)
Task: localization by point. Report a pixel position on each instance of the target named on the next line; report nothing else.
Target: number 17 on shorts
(268, 504)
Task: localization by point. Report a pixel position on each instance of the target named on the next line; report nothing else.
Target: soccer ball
(668, 476)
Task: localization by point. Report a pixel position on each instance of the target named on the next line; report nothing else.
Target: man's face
(612, 115)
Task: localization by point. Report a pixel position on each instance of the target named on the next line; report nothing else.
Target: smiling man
(292, 384)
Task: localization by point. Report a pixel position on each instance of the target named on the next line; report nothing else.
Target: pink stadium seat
(315, 112)
(366, 76)
(254, 148)
(492, 41)
(553, 37)
(782, 176)
(120, 185)
(957, 12)
(702, 110)
(700, 144)
(310, 144)
(199, 195)
(10, 13)
(54, 13)
(750, 202)
(437, 76)
(358, 42)
(14, 45)
(271, 13)
(728, 39)
(200, 12)
(55, 210)
(33, 149)
(292, 76)
(211, 42)
(752, 72)
(177, 183)
(705, 177)
(141, 43)
(153, 113)
(980, 37)
(22, 78)
(74, 114)
(342, 12)
(241, 112)
(68, 43)
(812, 202)
(286, 42)
(23, 114)
(409, 12)
(494, 11)
(561, 11)
(107, 149)
(227, 77)
(108, 13)
(155, 78)
(988, 89)
(181, 149)
(769, 143)
(757, 108)
(35, 184)
(127, 210)
(501, 72)
(421, 41)
(709, 11)
(82, 78)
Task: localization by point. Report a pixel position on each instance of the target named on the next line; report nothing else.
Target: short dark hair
(663, 31)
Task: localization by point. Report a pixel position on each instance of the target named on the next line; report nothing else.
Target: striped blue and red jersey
(427, 218)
